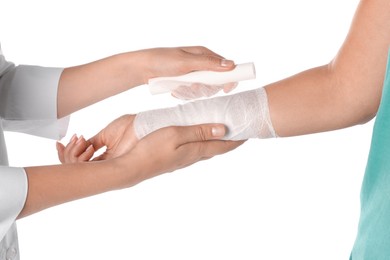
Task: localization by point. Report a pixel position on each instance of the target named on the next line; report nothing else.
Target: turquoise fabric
(373, 238)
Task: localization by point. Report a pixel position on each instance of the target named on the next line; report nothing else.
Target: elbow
(366, 115)
(363, 101)
(356, 96)
(369, 111)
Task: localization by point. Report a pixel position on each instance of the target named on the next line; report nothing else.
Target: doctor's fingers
(200, 51)
(208, 149)
(175, 147)
(202, 141)
(201, 58)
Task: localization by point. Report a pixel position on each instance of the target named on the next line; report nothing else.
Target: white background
(287, 198)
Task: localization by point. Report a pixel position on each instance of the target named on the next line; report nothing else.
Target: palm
(118, 138)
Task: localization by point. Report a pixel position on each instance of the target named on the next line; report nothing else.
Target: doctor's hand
(165, 62)
(86, 84)
(116, 138)
(162, 151)
(175, 147)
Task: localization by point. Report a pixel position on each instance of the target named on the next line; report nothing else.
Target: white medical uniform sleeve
(28, 104)
(13, 192)
(28, 100)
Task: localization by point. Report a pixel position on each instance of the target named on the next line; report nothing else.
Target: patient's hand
(118, 138)
(77, 150)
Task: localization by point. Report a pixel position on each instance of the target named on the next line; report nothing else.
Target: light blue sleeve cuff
(13, 193)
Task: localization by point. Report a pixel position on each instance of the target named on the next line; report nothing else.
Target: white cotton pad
(241, 72)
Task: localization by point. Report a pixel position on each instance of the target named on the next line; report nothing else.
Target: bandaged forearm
(246, 115)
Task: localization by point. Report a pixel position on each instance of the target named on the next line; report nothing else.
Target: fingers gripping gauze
(246, 115)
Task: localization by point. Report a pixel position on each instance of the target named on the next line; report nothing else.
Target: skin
(117, 138)
(344, 92)
(178, 147)
(83, 85)
(163, 151)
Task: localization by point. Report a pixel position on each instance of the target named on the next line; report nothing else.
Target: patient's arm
(346, 91)
(340, 94)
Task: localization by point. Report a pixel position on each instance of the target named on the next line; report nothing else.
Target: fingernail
(73, 138)
(80, 139)
(218, 131)
(227, 63)
(58, 145)
(89, 147)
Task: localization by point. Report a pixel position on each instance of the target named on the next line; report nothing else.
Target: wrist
(134, 67)
(145, 62)
(127, 170)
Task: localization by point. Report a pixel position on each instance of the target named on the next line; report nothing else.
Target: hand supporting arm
(163, 151)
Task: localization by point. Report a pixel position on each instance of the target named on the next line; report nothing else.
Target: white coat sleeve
(13, 192)
(28, 100)
(28, 104)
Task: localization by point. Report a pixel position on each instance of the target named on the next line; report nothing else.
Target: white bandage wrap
(246, 115)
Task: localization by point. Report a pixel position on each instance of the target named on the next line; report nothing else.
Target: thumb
(202, 58)
(211, 62)
(203, 140)
(199, 133)
(97, 141)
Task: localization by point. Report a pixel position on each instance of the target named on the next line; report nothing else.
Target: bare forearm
(53, 185)
(300, 104)
(163, 151)
(84, 85)
(316, 101)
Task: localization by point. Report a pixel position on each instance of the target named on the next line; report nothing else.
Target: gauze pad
(201, 83)
(246, 115)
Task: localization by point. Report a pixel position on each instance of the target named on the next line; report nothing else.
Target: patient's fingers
(87, 154)
(61, 151)
(77, 150)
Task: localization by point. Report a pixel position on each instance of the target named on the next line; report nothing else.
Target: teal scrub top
(373, 238)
